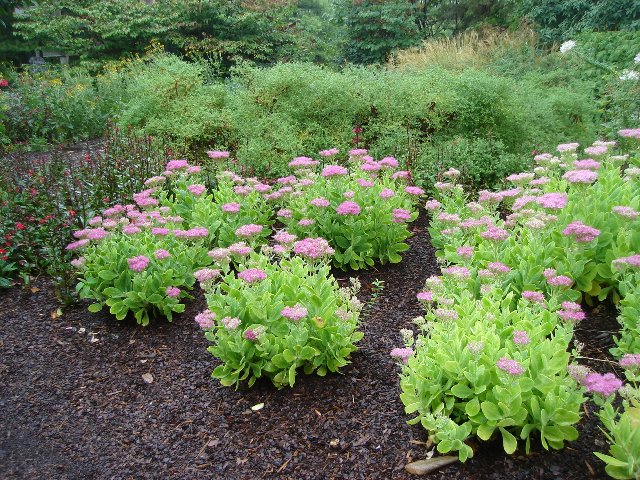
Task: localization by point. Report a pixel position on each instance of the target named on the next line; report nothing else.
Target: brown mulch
(75, 406)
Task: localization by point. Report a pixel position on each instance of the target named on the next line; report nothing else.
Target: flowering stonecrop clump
(141, 272)
(362, 211)
(272, 318)
(572, 233)
(481, 368)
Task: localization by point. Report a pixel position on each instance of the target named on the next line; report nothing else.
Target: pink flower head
(402, 354)
(364, 183)
(194, 169)
(76, 245)
(453, 218)
(205, 319)
(520, 337)
(349, 194)
(567, 147)
(580, 176)
(604, 385)
(252, 275)
(334, 170)
(230, 323)
(444, 186)
(241, 249)
(404, 174)
(196, 232)
(177, 165)
(232, 207)
(348, 208)
(320, 202)
(139, 263)
(432, 205)
(630, 132)
(630, 261)
(160, 231)
(161, 254)
(251, 335)
(425, 296)
(206, 274)
(387, 193)
(524, 177)
(370, 167)
(242, 190)
(560, 281)
(197, 190)
(457, 271)
(630, 360)
(445, 314)
(329, 153)
(495, 233)
(535, 297)
(78, 262)
(295, 313)
(416, 191)
(216, 154)
(289, 180)
(284, 237)
(312, 248)
(249, 230)
(625, 212)
(306, 222)
(498, 267)
(303, 162)
(153, 181)
(172, 292)
(97, 234)
(512, 367)
(389, 162)
(582, 232)
(358, 152)
(553, 200)
(220, 254)
(285, 213)
(262, 188)
(596, 150)
(400, 215)
(586, 164)
(466, 252)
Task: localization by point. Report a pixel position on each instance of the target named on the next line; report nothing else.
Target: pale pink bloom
(252, 275)
(536, 297)
(320, 202)
(295, 313)
(161, 254)
(466, 252)
(432, 205)
(197, 190)
(249, 230)
(580, 176)
(312, 248)
(177, 165)
(139, 263)
(348, 208)
(512, 367)
(334, 170)
(172, 292)
(416, 191)
(216, 154)
(205, 319)
(232, 207)
(402, 354)
(387, 193)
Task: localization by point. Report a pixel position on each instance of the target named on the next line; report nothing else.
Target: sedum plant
(363, 211)
(273, 318)
(480, 368)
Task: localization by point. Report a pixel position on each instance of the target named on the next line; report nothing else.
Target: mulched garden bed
(75, 405)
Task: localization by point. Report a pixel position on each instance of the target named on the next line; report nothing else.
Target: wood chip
(422, 467)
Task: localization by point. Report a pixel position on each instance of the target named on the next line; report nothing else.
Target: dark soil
(74, 403)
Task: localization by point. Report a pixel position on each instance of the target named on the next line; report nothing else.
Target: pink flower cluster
(495, 233)
(571, 312)
(630, 360)
(295, 313)
(536, 297)
(303, 162)
(313, 248)
(402, 354)
(249, 230)
(630, 261)
(457, 271)
(320, 202)
(172, 292)
(521, 337)
(553, 200)
(205, 319)
(329, 153)
(232, 207)
(139, 263)
(512, 367)
(466, 252)
(348, 208)
(197, 189)
(583, 233)
(425, 296)
(217, 154)
(206, 274)
(252, 275)
(334, 170)
(580, 176)
(400, 215)
(604, 385)
(625, 212)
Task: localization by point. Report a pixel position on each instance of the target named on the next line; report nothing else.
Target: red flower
(4, 82)
(20, 226)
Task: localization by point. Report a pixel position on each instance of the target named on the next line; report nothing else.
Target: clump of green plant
(363, 213)
(272, 318)
(480, 368)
